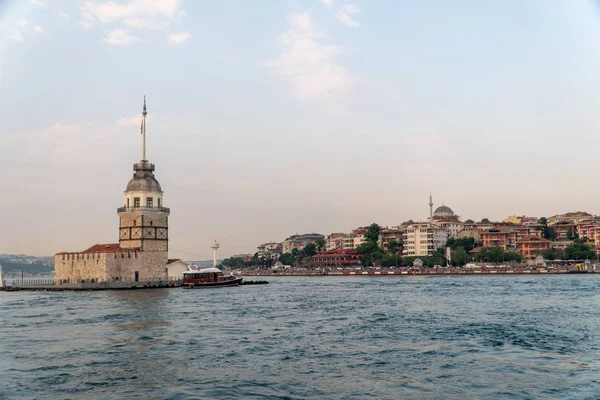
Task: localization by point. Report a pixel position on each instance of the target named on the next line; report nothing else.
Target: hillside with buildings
(444, 239)
(30, 265)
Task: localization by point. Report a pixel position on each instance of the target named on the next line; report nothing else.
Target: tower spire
(144, 113)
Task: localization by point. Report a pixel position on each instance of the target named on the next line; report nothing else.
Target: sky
(269, 118)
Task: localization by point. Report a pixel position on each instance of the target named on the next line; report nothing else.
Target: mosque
(142, 251)
(442, 212)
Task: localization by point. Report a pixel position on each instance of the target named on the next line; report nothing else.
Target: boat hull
(227, 283)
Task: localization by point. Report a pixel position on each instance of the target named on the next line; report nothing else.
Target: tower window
(136, 201)
(149, 202)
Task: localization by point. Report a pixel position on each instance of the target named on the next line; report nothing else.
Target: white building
(300, 241)
(452, 225)
(272, 249)
(175, 268)
(335, 241)
(423, 239)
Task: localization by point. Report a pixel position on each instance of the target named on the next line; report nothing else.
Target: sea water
(454, 337)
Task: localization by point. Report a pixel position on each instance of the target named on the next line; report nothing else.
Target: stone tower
(143, 248)
(143, 220)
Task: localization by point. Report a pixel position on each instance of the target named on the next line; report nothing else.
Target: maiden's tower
(142, 251)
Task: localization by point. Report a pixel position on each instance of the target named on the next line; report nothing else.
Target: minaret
(143, 219)
(430, 209)
(215, 246)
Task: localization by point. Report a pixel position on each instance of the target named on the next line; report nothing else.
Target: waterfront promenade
(427, 271)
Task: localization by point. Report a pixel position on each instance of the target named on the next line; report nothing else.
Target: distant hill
(30, 265)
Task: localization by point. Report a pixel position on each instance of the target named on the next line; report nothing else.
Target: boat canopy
(204, 271)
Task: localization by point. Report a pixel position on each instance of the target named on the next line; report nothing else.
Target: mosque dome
(443, 212)
(143, 179)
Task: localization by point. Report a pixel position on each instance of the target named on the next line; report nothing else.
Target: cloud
(328, 3)
(17, 36)
(133, 121)
(178, 38)
(65, 143)
(22, 23)
(137, 14)
(119, 37)
(39, 3)
(63, 14)
(86, 24)
(145, 23)
(308, 64)
(344, 15)
(18, 30)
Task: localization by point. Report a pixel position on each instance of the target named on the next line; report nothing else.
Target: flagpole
(144, 130)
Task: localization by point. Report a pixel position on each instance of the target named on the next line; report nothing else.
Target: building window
(159, 201)
(136, 201)
(149, 202)
(128, 202)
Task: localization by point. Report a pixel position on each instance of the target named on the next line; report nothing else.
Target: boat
(208, 278)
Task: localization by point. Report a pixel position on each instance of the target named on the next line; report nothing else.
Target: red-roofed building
(504, 238)
(531, 246)
(335, 258)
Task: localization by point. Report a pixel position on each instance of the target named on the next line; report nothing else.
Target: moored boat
(209, 277)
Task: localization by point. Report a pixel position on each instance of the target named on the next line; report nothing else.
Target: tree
(469, 221)
(579, 251)
(389, 260)
(320, 244)
(233, 262)
(286, 258)
(369, 252)
(497, 254)
(548, 233)
(372, 234)
(392, 246)
(460, 256)
(485, 221)
(309, 250)
(552, 254)
(267, 260)
(467, 243)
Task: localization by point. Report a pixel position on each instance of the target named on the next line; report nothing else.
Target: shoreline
(421, 273)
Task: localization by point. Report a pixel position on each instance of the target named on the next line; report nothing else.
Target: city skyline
(331, 115)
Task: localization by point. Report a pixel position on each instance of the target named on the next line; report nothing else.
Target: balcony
(154, 209)
(144, 165)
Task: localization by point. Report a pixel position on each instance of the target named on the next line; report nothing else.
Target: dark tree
(392, 246)
(372, 234)
(309, 250)
(320, 244)
(286, 259)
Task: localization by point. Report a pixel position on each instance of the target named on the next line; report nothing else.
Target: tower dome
(143, 178)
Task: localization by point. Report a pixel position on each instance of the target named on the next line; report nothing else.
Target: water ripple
(332, 338)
